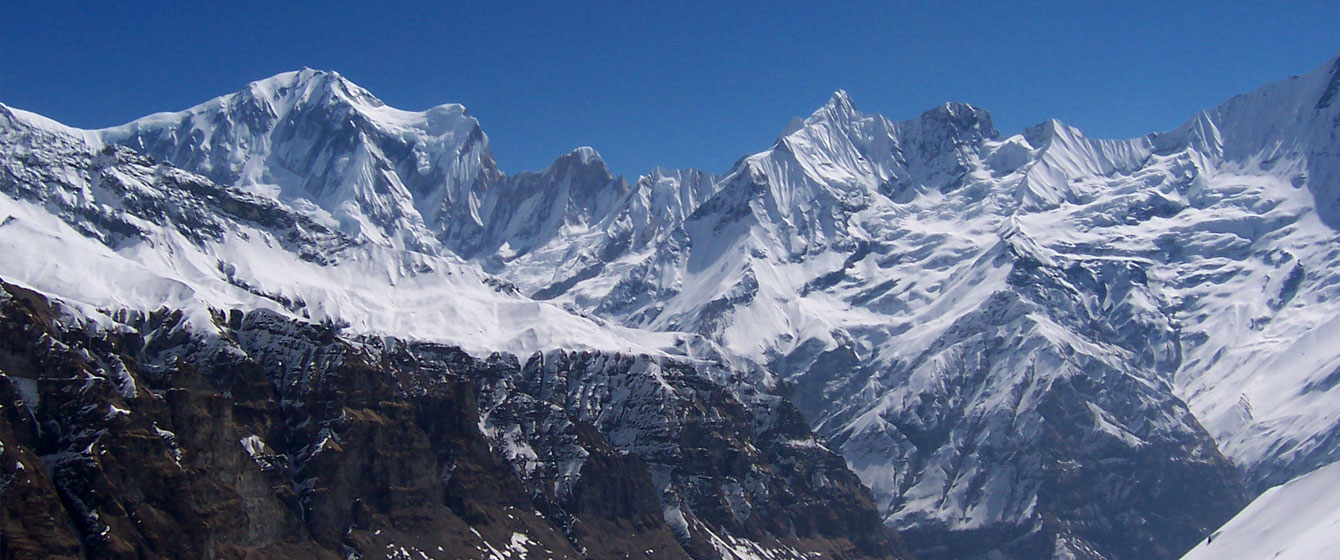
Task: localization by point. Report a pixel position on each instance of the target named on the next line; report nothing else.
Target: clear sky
(672, 83)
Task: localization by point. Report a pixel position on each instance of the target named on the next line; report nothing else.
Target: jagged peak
(961, 117)
(311, 85)
(583, 160)
(840, 100)
(585, 154)
(1043, 133)
(838, 108)
(837, 113)
(954, 116)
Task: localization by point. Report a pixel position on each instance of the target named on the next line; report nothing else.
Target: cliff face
(146, 437)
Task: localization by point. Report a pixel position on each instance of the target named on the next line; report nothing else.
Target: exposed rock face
(1078, 440)
(282, 438)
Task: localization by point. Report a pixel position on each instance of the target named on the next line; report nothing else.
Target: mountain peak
(585, 155)
(840, 98)
(585, 162)
(838, 107)
(308, 84)
(1044, 132)
(579, 158)
(960, 117)
(837, 112)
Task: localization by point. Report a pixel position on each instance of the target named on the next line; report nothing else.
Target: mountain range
(295, 321)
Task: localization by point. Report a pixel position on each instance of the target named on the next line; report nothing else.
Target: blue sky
(675, 83)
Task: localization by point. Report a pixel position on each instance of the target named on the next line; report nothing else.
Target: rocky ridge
(279, 437)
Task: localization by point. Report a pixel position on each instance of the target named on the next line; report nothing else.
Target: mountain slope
(272, 436)
(142, 234)
(926, 284)
(1296, 520)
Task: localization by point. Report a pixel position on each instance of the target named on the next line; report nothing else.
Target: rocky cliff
(273, 437)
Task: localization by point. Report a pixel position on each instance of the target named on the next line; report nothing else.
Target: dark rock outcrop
(269, 437)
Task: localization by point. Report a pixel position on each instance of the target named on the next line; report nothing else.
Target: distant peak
(839, 106)
(955, 111)
(1044, 127)
(312, 81)
(1040, 134)
(961, 117)
(584, 155)
(837, 111)
(840, 98)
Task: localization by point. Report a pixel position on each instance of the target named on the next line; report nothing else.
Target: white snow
(254, 445)
(1298, 520)
(374, 289)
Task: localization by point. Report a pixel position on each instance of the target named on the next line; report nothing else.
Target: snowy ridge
(861, 258)
(315, 139)
(140, 235)
(1294, 521)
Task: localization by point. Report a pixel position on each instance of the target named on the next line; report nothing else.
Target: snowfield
(1297, 520)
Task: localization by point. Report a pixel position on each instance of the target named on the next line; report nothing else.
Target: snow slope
(130, 233)
(1297, 520)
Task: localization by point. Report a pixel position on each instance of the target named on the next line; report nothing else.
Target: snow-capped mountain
(1027, 346)
(409, 180)
(951, 304)
(951, 355)
(141, 234)
(250, 376)
(314, 138)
